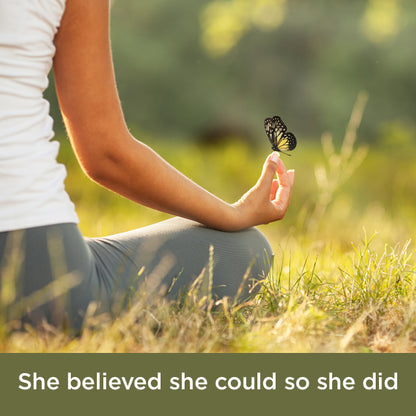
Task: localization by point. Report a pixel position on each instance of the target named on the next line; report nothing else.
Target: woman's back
(31, 181)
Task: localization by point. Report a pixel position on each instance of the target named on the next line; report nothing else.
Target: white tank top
(32, 189)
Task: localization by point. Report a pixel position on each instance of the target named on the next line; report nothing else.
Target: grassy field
(343, 274)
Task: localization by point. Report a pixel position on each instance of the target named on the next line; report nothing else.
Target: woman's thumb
(269, 168)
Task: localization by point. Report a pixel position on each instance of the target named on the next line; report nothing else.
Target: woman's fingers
(284, 190)
(273, 189)
(272, 166)
(291, 174)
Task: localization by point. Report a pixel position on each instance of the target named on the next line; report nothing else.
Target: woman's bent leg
(51, 271)
(170, 255)
(55, 273)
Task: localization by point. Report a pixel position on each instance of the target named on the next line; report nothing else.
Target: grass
(343, 278)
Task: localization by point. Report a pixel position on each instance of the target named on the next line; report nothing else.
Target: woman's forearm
(135, 171)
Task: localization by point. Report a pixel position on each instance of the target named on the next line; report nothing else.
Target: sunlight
(381, 20)
(223, 23)
(268, 14)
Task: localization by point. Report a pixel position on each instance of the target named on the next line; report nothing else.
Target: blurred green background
(198, 69)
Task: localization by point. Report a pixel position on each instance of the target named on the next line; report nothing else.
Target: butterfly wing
(287, 142)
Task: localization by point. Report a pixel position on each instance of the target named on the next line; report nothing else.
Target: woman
(35, 212)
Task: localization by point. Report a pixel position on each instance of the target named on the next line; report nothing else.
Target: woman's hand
(269, 199)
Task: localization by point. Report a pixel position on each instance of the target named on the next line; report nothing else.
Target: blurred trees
(188, 66)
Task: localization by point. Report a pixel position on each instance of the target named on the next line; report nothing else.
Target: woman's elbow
(99, 166)
(101, 155)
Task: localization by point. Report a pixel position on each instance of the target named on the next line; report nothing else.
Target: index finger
(284, 191)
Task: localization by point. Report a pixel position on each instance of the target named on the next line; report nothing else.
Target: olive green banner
(199, 384)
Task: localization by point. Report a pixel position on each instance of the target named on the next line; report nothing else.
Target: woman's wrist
(231, 218)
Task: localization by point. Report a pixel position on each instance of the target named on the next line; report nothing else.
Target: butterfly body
(280, 139)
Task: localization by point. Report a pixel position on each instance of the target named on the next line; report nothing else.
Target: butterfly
(281, 139)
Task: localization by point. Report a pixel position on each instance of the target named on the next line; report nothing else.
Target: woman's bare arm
(108, 153)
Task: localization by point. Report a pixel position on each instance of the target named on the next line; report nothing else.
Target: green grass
(343, 278)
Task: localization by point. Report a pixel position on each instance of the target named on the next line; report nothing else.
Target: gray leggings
(57, 273)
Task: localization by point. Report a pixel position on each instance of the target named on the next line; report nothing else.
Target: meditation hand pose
(36, 214)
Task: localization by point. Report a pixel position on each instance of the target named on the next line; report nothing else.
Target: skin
(111, 156)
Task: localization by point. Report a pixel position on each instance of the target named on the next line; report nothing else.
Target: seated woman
(36, 214)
